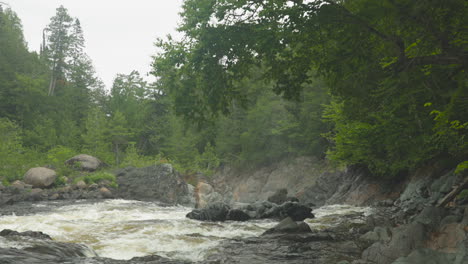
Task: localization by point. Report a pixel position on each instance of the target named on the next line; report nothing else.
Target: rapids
(123, 229)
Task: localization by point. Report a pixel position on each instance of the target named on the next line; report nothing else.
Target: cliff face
(314, 181)
(307, 178)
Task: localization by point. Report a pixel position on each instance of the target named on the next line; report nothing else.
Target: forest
(377, 84)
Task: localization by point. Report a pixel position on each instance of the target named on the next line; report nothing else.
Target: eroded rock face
(205, 195)
(85, 162)
(154, 183)
(40, 177)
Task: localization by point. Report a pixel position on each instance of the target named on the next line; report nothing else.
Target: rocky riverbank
(408, 224)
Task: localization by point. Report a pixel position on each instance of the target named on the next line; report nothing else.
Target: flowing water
(122, 229)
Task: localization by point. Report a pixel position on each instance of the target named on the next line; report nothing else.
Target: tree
(57, 49)
(381, 61)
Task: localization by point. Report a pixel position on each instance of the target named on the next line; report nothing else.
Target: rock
(279, 197)
(85, 162)
(54, 196)
(405, 239)
(426, 256)
(105, 192)
(237, 215)
(430, 216)
(297, 211)
(288, 225)
(155, 183)
(205, 195)
(93, 186)
(213, 212)
(37, 195)
(18, 185)
(32, 234)
(40, 177)
(81, 184)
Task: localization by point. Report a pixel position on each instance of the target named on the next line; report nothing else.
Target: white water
(122, 229)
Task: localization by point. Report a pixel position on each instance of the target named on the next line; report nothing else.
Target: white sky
(119, 35)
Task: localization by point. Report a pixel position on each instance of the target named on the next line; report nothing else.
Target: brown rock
(105, 192)
(40, 177)
(84, 162)
(81, 185)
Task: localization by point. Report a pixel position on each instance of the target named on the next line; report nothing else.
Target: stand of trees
(380, 84)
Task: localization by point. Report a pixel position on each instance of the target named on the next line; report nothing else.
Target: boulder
(40, 177)
(237, 215)
(289, 226)
(105, 192)
(81, 185)
(297, 211)
(154, 183)
(84, 162)
(213, 212)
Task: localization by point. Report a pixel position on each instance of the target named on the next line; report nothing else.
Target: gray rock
(213, 212)
(279, 197)
(155, 183)
(237, 215)
(288, 225)
(40, 177)
(85, 162)
(404, 240)
(426, 256)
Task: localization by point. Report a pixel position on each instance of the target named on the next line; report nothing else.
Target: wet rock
(237, 215)
(288, 225)
(297, 211)
(40, 177)
(85, 162)
(32, 234)
(213, 212)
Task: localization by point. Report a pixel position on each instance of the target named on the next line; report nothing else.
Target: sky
(119, 35)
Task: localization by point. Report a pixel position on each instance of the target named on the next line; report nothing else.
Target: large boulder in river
(40, 177)
(84, 162)
(213, 212)
(154, 183)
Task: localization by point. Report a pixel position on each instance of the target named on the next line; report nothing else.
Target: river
(123, 229)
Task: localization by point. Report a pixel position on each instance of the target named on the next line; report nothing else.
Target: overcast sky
(119, 35)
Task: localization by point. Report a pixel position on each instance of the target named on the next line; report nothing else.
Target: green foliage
(462, 167)
(98, 177)
(134, 159)
(380, 60)
(11, 151)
